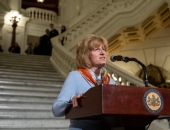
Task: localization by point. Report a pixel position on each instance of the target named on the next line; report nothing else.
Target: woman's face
(98, 56)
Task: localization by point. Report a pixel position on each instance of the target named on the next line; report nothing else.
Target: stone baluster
(66, 36)
(69, 37)
(74, 31)
(99, 16)
(65, 39)
(93, 18)
(79, 30)
(91, 24)
(110, 6)
(45, 16)
(41, 14)
(31, 14)
(48, 17)
(35, 14)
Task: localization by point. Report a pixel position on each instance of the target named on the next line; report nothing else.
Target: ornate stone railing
(96, 19)
(41, 14)
(62, 59)
(110, 18)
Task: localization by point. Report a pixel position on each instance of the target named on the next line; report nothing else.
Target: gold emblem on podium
(153, 101)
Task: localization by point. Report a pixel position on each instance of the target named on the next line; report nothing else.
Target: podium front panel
(120, 105)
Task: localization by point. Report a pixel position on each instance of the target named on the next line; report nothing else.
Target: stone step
(25, 59)
(21, 56)
(40, 81)
(16, 100)
(36, 123)
(29, 72)
(29, 85)
(28, 94)
(27, 62)
(27, 106)
(8, 127)
(29, 69)
(21, 67)
(28, 98)
(34, 84)
(30, 78)
(26, 113)
(30, 117)
(12, 127)
(29, 88)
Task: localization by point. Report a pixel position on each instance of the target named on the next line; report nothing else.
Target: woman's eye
(99, 49)
(96, 49)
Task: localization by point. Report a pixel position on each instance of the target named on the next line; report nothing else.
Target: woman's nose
(102, 51)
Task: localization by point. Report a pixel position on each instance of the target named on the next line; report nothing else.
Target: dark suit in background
(53, 33)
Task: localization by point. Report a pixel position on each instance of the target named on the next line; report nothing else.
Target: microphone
(118, 58)
(114, 58)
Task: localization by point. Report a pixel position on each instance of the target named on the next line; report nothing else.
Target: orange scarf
(85, 72)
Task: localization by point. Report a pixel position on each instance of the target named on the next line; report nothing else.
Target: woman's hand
(75, 98)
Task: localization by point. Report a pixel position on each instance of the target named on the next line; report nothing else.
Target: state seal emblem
(153, 101)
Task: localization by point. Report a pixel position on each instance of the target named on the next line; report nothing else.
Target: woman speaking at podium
(90, 62)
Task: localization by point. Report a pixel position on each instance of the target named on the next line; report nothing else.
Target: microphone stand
(145, 80)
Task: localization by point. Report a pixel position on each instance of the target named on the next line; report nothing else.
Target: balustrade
(41, 14)
(95, 19)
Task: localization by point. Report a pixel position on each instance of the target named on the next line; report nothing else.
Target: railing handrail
(41, 14)
(89, 16)
(45, 10)
(93, 18)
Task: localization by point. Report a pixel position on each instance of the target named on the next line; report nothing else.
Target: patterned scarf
(85, 72)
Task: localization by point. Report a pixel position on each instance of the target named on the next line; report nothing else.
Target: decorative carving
(153, 101)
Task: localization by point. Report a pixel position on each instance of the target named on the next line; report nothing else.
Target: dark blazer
(16, 49)
(53, 33)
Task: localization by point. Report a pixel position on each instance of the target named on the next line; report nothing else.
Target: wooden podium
(122, 106)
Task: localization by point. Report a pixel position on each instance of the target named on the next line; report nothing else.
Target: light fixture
(41, 1)
(14, 19)
(14, 16)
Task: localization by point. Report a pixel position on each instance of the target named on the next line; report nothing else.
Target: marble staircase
(28, 87)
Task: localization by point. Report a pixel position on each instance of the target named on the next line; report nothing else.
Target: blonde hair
(85, 46)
